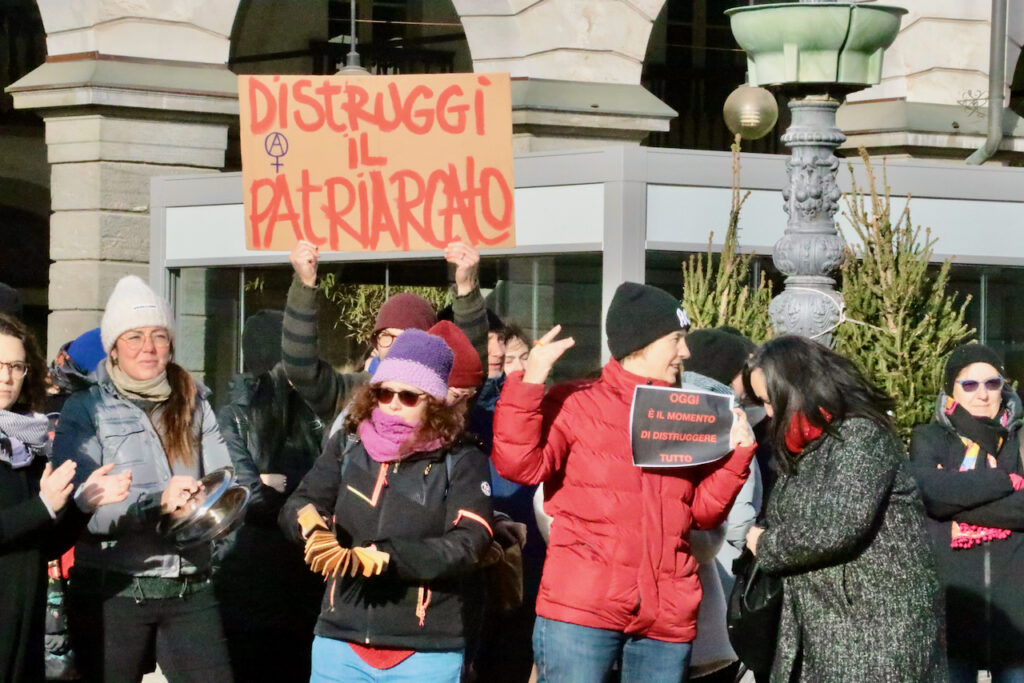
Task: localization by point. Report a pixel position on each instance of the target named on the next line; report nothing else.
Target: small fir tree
(910, 321)
(717, 288)
(356, 306)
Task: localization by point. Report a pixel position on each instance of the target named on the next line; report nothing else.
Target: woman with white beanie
(134, 596)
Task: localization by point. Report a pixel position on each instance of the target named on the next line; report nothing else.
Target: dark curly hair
(33, 388)
(440, 421)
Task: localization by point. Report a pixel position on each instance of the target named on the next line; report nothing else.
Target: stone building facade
(131, 89)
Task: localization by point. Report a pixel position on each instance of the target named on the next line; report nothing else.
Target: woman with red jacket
(619, 578)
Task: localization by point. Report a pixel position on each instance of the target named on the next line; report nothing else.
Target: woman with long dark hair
(404, 489)
(38, 521)
(134, 595)
(845, 526)
(967, 462)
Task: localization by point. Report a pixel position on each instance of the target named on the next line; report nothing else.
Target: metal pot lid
(219, 519)
(212, 487)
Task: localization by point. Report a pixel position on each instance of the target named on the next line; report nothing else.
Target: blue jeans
(567, 653)
(965, 672)
(334, 662)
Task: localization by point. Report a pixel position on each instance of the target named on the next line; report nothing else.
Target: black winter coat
(431, 513)
(28, 539)
(984, 584)
(268, 429)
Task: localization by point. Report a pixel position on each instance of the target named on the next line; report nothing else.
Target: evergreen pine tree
(910, 322)
(717, 288)
(356, 305)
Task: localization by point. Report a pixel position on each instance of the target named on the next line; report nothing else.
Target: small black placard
(676, 428)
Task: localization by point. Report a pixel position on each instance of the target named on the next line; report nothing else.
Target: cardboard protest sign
(674, 428)
(377, 163)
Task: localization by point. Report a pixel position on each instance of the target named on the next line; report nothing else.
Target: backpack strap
(345, 446)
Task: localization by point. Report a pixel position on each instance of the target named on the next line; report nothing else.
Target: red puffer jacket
(619, 553)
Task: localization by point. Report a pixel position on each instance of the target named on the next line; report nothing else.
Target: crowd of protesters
(446, 515)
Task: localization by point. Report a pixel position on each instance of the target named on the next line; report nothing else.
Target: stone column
(811, 247)
(576, 67)
(129, 91)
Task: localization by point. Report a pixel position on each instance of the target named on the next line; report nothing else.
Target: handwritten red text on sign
(377, 163)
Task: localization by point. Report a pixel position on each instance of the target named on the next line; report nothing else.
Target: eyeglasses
(971, 385)
(135, 340)
(409, 399)
(17, 368)
(384, 339)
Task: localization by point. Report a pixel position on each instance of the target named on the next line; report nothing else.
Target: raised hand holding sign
(466, 260)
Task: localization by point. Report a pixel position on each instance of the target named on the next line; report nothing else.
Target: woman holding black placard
(619, 579)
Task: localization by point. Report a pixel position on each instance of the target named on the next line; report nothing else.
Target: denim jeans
(567, 653)
(334, 661)
(965, 672)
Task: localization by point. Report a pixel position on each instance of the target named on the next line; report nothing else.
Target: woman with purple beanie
(401, 488)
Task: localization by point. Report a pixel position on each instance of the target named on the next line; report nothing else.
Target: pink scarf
(386, 436)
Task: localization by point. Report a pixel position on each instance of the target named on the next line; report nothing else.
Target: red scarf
(801, 432)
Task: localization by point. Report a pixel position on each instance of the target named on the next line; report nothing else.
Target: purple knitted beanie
(419, 359)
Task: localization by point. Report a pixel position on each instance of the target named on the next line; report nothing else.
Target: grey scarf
(23, 437)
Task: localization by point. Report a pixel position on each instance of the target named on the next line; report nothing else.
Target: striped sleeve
(469, 313)
(313, 378)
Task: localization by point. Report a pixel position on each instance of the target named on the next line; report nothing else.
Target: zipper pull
(427, 470)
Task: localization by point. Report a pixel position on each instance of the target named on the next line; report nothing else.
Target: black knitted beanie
(640, 314)
(968, 354)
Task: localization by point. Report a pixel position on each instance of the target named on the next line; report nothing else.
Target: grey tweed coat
(847, 531)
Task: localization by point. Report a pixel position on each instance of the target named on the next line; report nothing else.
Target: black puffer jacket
(431, 512)
(984, 584)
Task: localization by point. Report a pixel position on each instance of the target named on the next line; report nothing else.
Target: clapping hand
(103, 488)
(55, 484)
(545, 352)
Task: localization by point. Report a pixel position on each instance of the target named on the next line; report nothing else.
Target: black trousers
(119, 639)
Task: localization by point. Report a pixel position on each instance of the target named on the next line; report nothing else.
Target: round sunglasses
(407, 398)
(971, 385)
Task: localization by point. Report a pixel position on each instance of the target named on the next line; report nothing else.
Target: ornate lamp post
(817, 52)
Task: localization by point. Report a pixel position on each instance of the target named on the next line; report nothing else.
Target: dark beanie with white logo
(640, 314)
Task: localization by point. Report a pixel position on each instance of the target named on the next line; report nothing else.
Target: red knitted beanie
(467, 373)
